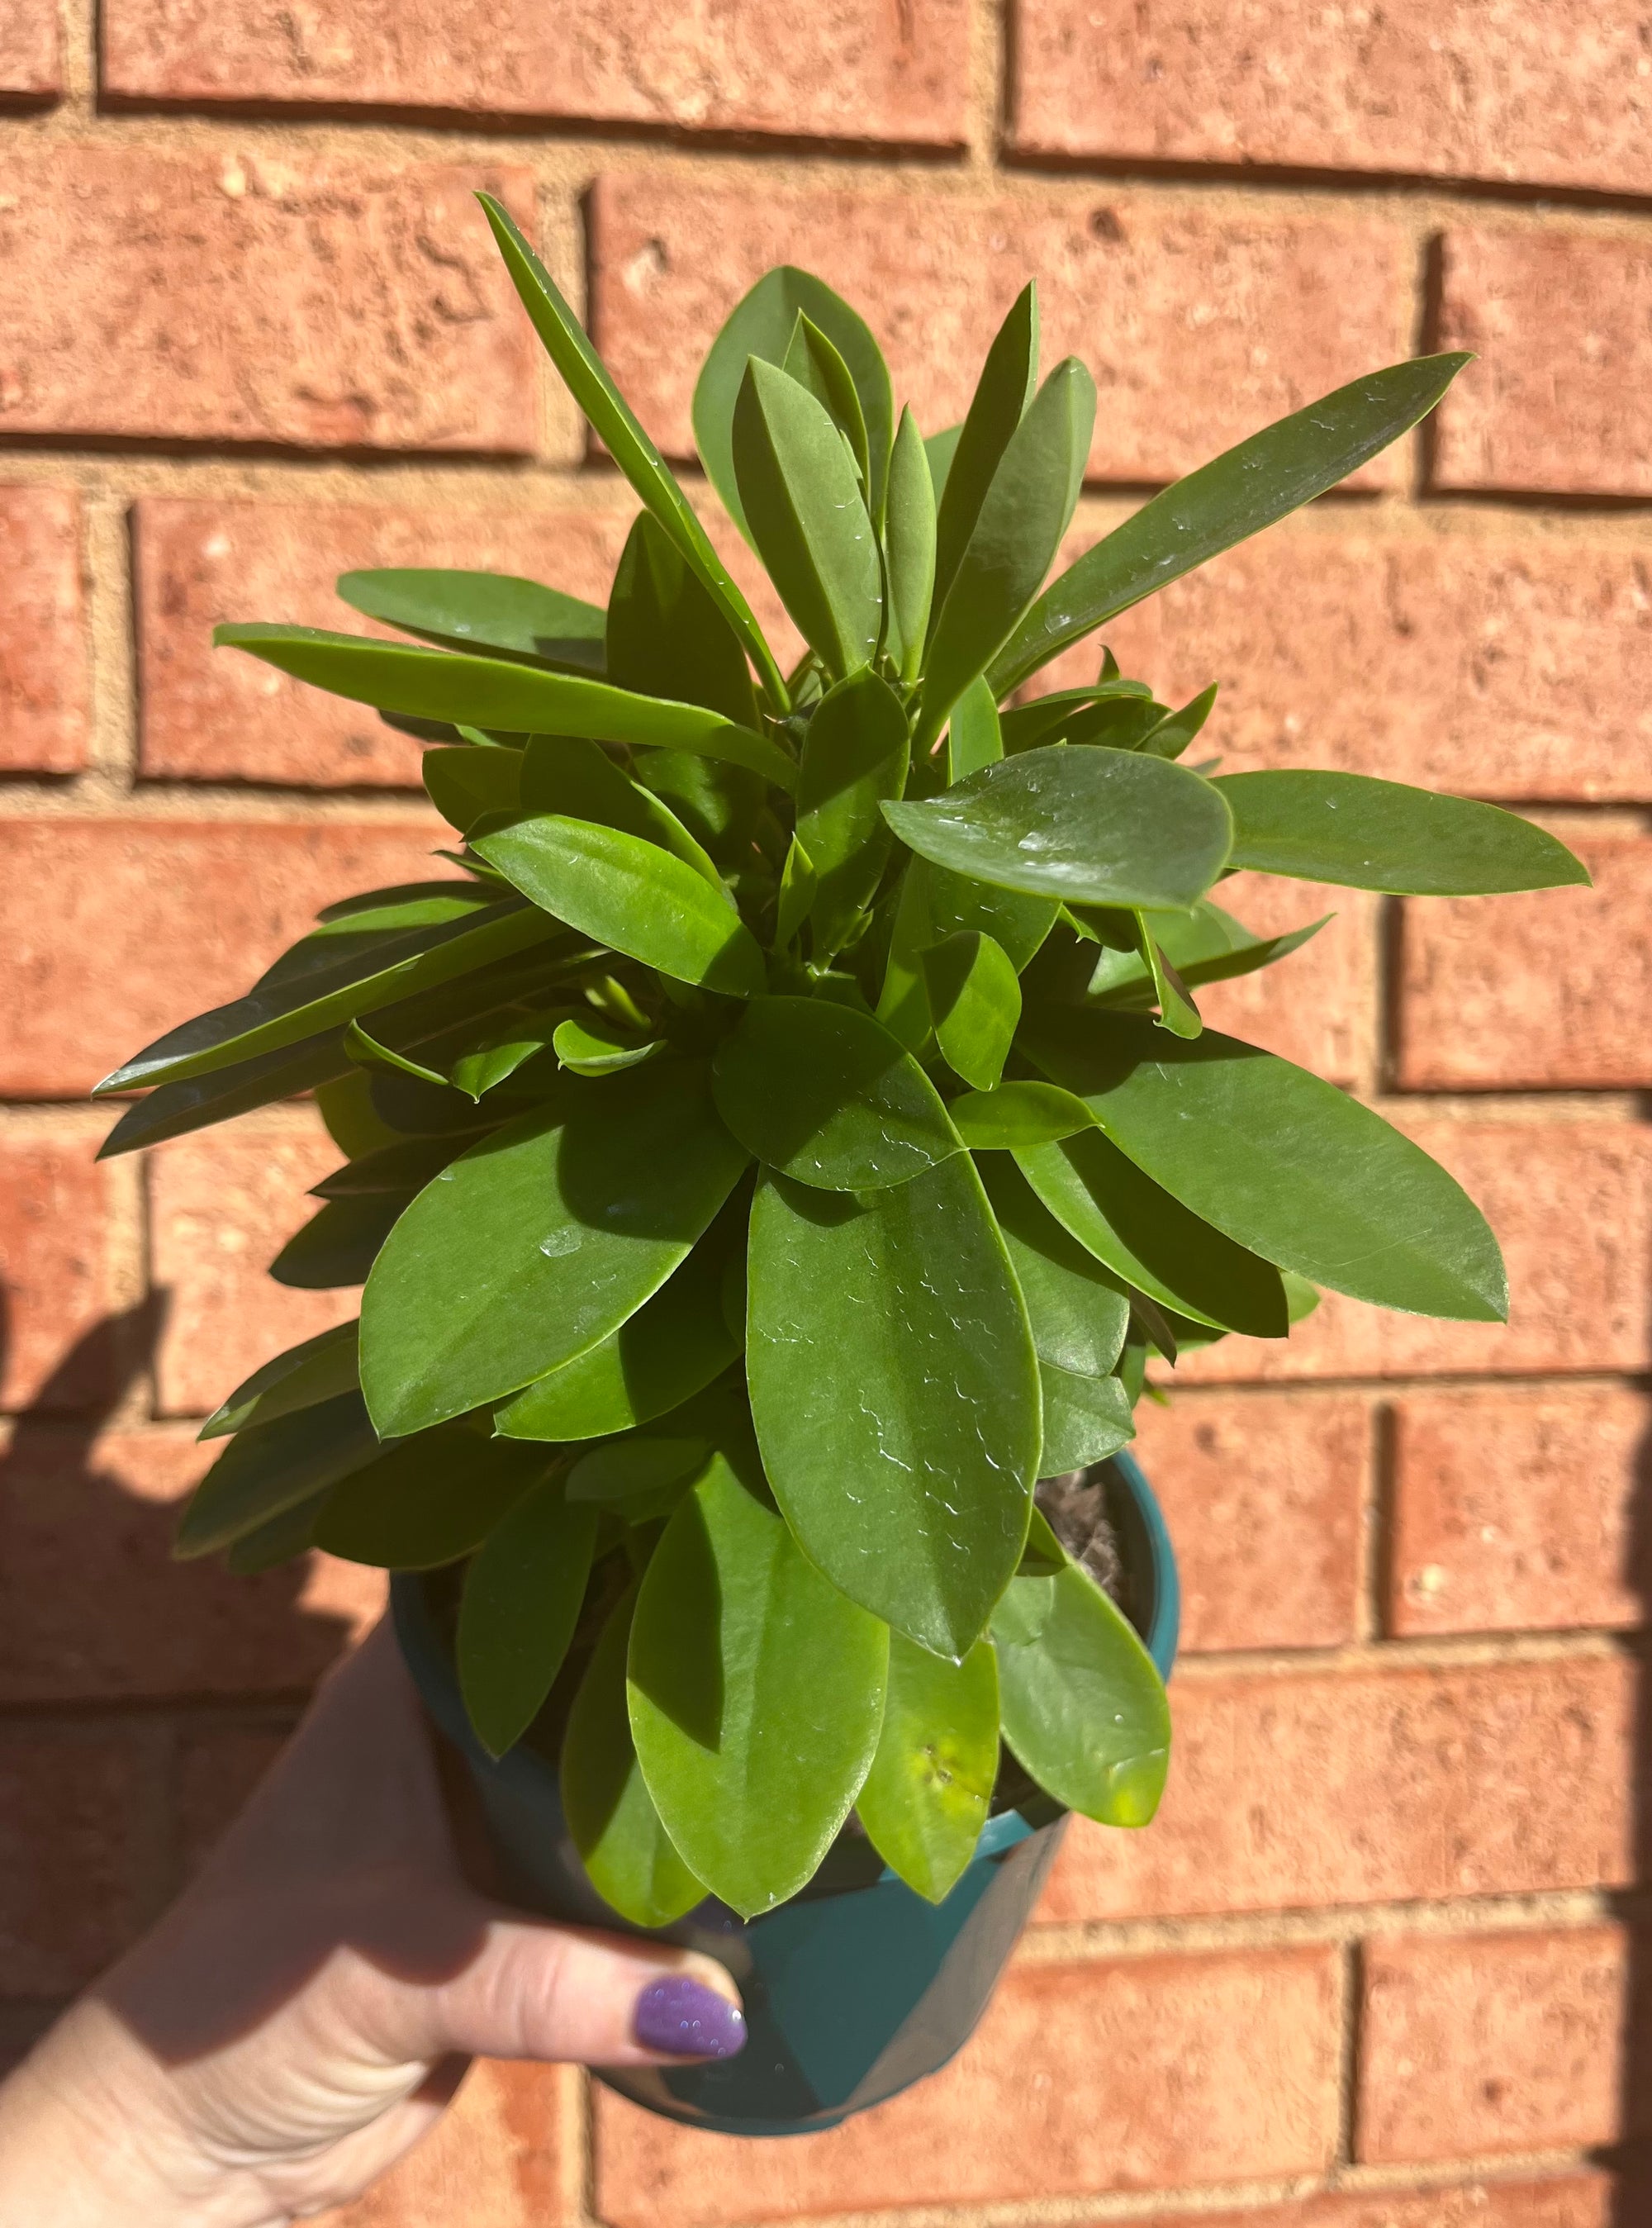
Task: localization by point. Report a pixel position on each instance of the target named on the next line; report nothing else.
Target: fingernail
(688, 2018)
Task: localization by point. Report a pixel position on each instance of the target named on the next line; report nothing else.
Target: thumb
(555, 1993)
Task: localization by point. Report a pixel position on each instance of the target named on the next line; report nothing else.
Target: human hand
(306, 2010)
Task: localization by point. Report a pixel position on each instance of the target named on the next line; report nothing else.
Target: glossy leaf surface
(1077, 1310)
(924, 1801)
(1085, 1418)
(320, 1369)
(337, 1247)
(575, 777)
(854, 759)
(756, 1695)
(1177, 729)
(1204, 944)
(667, 636)
(1016, 1115)
(974, 738)
(465, 780)
(901, 1435)
(1008, 383)
(262, 1474)
(909, 547)
(518, 1610)
(813, 361)
(482, 611)
(974, 1003)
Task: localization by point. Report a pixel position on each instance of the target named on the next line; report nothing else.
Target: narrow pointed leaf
(321, 1369)
(1283, 1162)
(476, 1073)
(540, 1241)
(573, 777)
(814, 363)
(483, 610)
(926, 1798)
(822, 1093)
(1373, 834)
(1047, 719)
(518, 1610)
(974, 738)
(591, 1046)
(1262, 479)
(974, 1003)
(1096, 827)
(1177, 1011)
(1204, 944)
(337, 1247)
(854, 759)
(667, 635)
(632, 896)
(935, 904)
(1007, 382)
(1016, 1115)
(262, 1474)
(799, 883)
(1177, 729)
(901, 1439)
(909, 548)
(756, 1695)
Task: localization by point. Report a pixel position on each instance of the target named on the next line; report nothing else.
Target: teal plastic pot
(857, 1987)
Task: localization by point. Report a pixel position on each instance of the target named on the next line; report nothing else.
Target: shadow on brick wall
(1633, 2205)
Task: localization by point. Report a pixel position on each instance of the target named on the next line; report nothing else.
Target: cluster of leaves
(789, 1136)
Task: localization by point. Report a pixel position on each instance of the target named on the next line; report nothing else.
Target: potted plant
(782, 1144)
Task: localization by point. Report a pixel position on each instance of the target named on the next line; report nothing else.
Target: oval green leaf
(854, 758)
(518, 1610)
(1017, 1115)
(666, 634)
(262, 1474)
(974, 997)
(482, 611)
(926, 1798)
(427, 1503)
(573, 777)
(321, 1369)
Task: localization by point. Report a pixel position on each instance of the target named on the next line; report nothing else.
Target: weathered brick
(859, 70)
(1520, 1509)
(241, 295)
(1570, 2201)
(1198, 327)
(215, 714)
(96, 1609)
(1548, 988)
(1263, 1496)
(1453, 91)
(1299, 1788)
(43, 708)
(1561, 319)
(1123, 2073)
(76, 1808)
(1476, 2044)
(112, 931)
(1571, 1202)
(222, 1204)
(494, 2162)
(56, 1273)
(1497, 664)
(31, 56)
(1318, 1007)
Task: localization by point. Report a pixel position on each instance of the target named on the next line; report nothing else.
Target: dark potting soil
(1075, 1508)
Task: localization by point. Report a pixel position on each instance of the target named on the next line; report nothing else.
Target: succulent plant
(787, 1136)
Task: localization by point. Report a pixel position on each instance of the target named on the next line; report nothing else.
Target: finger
(557, 1992)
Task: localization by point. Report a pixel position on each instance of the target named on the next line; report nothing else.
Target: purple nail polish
(688, 2018)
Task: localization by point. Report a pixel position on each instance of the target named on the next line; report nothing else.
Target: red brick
(1520, 1510)
(1477, 2044)
(96, 1609)
(1498, 664)
(217, 715)
(31, 59)
(1123, 2073)
(1534, 91)
(859, 70)
(43, 709)
(75, 1822)
(1571, 2201)
(1571, 1202)
(1198, 327)
(1561, 318)
(1291, 1789)
(222, 1204)
(1550, 988)
(56, 1274)
(112, 931)
(1263, 1496)
(236, 295)
(1319, 1007)
(494, 2161)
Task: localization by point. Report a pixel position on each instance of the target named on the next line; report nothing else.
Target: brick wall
(1378, 1965)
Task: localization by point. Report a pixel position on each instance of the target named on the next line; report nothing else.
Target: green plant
(789, 1136)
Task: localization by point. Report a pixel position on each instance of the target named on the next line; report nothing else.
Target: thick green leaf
(1026, 510)
(926, 1798)
(482, 611)
(279, 1015)
(974, 738)
(540, 1241)
(573, 777)
(488, 692)
(591, 1046)
(321, 1369)
(822, 1093)
(814, 363)
(263, 1472)
(1085, 1418)
(1283, 1163)
(974, 1003)
(1116, 723)
(1177, 1011)
(909, 548)
(1007, 382)
(178, 1108)
(854, 758)
(1082, 1707)
(1204, 944)
(720, 805)
(756, 1693)
(428, 1502)
(478, 1073)
(465, 780)
(1383, 836)
(1090, 826)
(631, 895)
(639, 1466)
(939, 449)
(670, 1349)
(1077, 1310)
(798, 884)
(1018, 1114)
(283, 1538)
(762, 326)
(1135, 1228)
(807, 517)
(935, 904)
(587, 380)
(517, 1613)
(894, 1391)
(1047, 719)
(1177, 729)
(338, 1247)
(367, 1052)
(1248, 487)
(667, 636)
(632, 1861)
